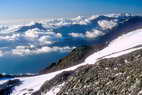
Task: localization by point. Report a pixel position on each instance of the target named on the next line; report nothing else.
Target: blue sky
(12, 10)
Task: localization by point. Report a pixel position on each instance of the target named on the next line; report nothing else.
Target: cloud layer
(56, 35)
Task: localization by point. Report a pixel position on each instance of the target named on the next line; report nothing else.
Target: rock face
(114, 76)
(74, 58)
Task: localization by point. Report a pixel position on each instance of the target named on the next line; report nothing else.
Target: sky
(14, 11)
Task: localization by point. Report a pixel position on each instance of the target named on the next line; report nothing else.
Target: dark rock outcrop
(74, 58)
(10, 76)
(7, 88)
(6, 76)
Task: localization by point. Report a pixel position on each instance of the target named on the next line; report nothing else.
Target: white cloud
(29, 50)
(47, 49)
(93, 34)
(81, 20)
(45, 40)
(21, 50)
(59, 35)
(76, 35)
(89, 34)
(105, 24)
(93, 17)
(1, 53)
(33, 33)
(12, 37)
(49, 38)
(42, 39)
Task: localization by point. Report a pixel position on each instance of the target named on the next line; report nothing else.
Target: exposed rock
(48, 85)
(6, 76)
(75, 57)
(115, 76)
(7, 88)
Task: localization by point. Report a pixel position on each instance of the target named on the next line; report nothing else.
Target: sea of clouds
(54, 35)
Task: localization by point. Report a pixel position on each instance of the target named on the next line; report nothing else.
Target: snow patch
(55, 90)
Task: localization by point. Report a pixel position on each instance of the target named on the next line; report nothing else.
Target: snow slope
(120, 46)
(122, 43)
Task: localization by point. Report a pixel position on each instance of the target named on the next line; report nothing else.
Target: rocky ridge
(115, 76)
